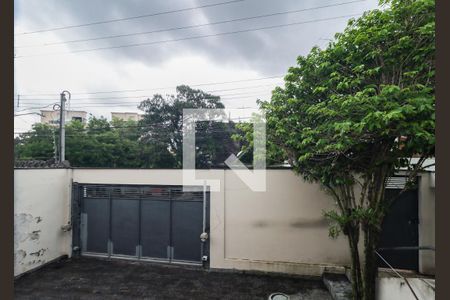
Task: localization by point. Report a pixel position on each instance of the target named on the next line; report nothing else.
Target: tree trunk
(353, 239)
(370, 272)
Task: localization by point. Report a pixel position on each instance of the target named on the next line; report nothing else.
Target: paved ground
(89, 278)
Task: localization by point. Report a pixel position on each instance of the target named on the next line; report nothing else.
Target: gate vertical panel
(94, 219)
(155, 223)
(187, 225)
(170, 246)
(125, 221)
(139, 247)
(110, 244)
(75, 218)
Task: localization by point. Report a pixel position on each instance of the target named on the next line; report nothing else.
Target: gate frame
(397, 182)
(76, 208)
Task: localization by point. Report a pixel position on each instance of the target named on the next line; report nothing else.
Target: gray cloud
(269, 52)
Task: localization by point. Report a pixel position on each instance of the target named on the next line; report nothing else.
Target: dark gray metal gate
(159, 223)
(399, 241)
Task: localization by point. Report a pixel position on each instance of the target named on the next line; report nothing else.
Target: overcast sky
(50, 69)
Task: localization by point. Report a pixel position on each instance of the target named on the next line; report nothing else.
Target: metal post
(62, 133)
(204, 206)
(204, 235)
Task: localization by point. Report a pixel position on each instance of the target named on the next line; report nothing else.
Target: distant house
(52, 117)
(126, 116)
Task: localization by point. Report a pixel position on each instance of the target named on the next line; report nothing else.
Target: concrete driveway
(91, 278)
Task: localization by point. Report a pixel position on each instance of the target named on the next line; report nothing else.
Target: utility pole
(62, 132)
(62, 123)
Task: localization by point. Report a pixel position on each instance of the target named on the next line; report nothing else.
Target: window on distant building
(79, 119)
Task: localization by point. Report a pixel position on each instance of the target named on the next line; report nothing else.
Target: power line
(155, 125)
(239, 88)
(190, 26)
(100, 133)
(30, 113)
(24, 120)
(135, 104)
(140, 96)
(193, 37)
(26, 101)
(161, 88)
(131, 104)
(207, 91)
(243, 96)
(130, 18)
(40, 107)
(160, 129)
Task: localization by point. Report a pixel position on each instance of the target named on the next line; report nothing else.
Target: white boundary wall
(41, 207)
(280, 230)
(394, 288)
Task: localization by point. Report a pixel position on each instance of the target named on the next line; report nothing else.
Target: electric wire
(130, 18)
(160, 88)
(190, 26)
(190, 37)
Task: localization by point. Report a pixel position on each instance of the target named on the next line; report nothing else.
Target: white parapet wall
(279, 230)
(41, 207)
(395, 288)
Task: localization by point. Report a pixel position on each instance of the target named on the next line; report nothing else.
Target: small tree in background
(162, 123)
(352, 115)
(37, 144)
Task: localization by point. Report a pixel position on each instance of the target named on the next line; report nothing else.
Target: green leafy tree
(38, 144)
(351, 115)
(162, 126)
(244, 136)
(98, 144)
(101, 143)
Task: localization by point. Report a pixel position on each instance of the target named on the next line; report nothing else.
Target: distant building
(52, 116)
(126, 116)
